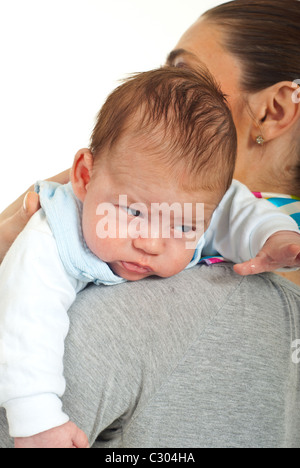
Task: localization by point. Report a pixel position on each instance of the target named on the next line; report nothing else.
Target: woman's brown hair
(265, 36)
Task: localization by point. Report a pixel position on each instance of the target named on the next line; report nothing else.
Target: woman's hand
(12, 224)
(16, 216)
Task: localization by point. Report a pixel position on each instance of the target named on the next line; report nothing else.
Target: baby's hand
(281, 250)
(66, 436)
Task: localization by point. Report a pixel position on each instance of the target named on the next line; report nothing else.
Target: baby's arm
(35, 294)
(244, 228)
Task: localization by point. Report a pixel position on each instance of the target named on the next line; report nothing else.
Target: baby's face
(139, 221)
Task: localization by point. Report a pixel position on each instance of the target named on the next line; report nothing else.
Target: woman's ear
(81, 172)
(276, 111)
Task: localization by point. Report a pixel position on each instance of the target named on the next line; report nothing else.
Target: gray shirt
(203, 359)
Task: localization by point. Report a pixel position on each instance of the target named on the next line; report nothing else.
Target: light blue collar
(64, 214)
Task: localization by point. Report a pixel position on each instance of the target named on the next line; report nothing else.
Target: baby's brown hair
(182, 114)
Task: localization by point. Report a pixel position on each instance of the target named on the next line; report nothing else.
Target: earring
(260, 140)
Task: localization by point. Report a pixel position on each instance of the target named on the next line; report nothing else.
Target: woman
(215, 365)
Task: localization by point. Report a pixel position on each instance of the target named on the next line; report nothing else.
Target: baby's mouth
(136, 268)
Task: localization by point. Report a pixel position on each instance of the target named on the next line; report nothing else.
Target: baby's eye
(132, 211)
(184, 229)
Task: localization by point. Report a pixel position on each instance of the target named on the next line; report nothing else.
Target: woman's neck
(258, 181)
(269, 169)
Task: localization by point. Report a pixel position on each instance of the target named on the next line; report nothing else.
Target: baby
(152, 196)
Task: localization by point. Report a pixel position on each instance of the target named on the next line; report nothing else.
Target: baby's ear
(81, 172)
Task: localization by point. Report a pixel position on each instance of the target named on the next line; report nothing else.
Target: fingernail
(25, 202)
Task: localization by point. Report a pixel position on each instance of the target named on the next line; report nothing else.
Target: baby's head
(163, 147)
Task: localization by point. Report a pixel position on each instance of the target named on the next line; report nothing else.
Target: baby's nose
(151, 246)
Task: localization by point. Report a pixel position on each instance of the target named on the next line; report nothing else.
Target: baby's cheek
(104, 249)
(177, 263)
(93, 241)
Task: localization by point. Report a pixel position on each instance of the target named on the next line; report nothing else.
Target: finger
(293, 254)
(12, 226)
(284, 257)
(18, 221)
(31, 205)
(244, 269)
(80, 440)
(254, 267)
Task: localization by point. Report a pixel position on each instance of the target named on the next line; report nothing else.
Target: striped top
(287, 204)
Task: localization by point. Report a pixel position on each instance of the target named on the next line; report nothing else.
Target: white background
(59, 60)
